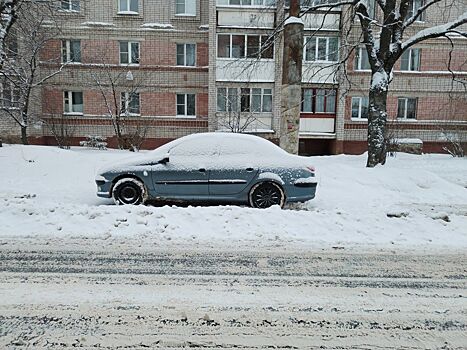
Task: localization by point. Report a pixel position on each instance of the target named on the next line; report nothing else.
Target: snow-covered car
(211, 168)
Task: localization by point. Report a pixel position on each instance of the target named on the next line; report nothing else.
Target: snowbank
(413, 202)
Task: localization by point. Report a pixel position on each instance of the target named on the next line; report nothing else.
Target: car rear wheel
(129, 191)
(267, 194)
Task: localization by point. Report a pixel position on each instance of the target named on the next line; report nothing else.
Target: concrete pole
(291, 94)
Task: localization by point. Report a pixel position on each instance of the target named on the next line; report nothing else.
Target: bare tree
(8, 10)
(20, 73)
(119, 90)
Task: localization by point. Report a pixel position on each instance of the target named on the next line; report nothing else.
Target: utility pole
(291, 94)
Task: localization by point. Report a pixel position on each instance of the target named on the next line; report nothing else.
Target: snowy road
(59, 296)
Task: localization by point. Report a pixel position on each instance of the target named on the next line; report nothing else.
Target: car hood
(134, 161)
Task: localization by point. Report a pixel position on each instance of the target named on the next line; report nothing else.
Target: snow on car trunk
(411, 202)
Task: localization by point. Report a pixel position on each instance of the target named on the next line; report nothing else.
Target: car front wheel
(267, 194)
(129, 191)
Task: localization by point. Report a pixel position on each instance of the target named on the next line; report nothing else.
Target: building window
(359, 107)
(130, 103)
(410, 60)
(71, 51)
(247, 2)
(186, 105)
(186, 54)
(128, 6)
(227, 100)
(319, 101)
(414, 5)
(322, 49)
(10, 95)
(252, 100)
(73, 102)
(70, 5)
(185, 7)
(129, 52)
(406, 108)
(245, 46)
(361, 59)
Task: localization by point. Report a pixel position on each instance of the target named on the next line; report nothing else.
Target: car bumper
(302, 192)
(103, 194)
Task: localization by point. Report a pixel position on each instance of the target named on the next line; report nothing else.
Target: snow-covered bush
(94, 141)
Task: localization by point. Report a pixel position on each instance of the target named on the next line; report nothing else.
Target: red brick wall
(99, 51)
(202, 54)
(202, 105)
(158, 103)
(52, 101)
(51, 51)
(158, 52)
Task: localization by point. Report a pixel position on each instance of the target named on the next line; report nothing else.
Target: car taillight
(311, 169)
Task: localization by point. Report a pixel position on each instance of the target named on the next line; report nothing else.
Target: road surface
(65, 295)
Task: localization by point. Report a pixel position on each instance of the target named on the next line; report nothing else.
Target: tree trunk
(291, 94)
(24, 135)
(377, 118)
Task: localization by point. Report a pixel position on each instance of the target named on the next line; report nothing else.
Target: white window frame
(360, 105)
(130, 53)
(125, 103)
(406, 103)
(414, 10)
(128, 6)
(68, 94)
(185, 104)
(15, 95)
(70, 7)
(238, 107)
(66, 49)
(359, 60)
(316, 53)
(245, 54)
(244, 3)
(418, 64)
(185, 55)
(185, 13)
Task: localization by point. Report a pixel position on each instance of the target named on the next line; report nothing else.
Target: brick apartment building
(185, 66)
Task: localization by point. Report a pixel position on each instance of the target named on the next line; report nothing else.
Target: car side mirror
(164, 160)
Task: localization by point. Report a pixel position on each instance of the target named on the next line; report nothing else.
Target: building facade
(158, 70)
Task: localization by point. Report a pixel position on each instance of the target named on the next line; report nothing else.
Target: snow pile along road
(412, 202)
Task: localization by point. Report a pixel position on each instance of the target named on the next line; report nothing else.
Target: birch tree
(8, 13)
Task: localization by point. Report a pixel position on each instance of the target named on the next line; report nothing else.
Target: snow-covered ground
(413, 202)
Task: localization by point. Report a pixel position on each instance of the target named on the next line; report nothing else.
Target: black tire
(266, 194)
(129, 191)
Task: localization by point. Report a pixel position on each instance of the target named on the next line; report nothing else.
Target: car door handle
(202, 170)
(249, 169)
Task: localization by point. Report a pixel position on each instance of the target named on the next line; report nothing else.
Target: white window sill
(362, 70)
(185, 15)
(68, 11)
(129, 13)
(245, 59)
(359, 120)
(185, 116)
(320, 61)
(73, 113)
(406, 120)
(130, 64)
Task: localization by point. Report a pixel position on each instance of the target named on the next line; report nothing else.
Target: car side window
(197, 147)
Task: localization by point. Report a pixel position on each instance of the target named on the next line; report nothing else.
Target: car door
(236, 167)
(186, 174)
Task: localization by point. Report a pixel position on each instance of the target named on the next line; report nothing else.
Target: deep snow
(413, 202)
